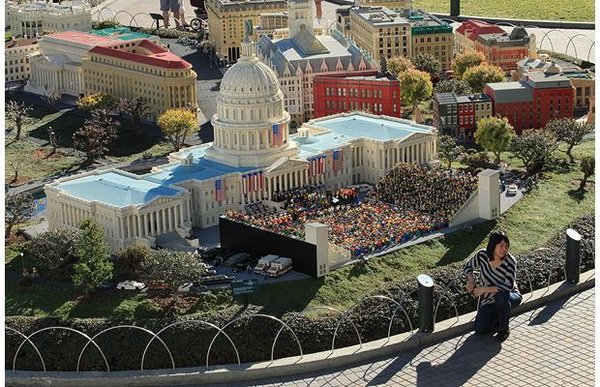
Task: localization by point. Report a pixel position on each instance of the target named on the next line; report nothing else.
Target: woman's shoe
(502, 336)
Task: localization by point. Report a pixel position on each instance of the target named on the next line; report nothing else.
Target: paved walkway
(551, 346)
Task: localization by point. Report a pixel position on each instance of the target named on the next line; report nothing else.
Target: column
(180, 213)
(165, 226)
(140, 225)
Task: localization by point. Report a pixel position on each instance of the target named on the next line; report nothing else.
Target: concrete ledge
(322, 361)
(560, 24)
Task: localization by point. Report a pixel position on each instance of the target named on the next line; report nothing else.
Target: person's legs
(486, 320)
(504, 302)
(175, 5)
(164, 7)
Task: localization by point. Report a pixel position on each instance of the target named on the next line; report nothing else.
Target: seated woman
(499, 292)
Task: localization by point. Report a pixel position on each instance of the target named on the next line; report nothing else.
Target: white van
(264, 263)
(280, 266)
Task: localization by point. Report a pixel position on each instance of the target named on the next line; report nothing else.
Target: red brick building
(534, 100)
(368, 91)
(468, 31)
(466, 113)
(505, 50)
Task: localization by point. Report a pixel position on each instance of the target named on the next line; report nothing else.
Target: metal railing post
(573, 256)
(425, 297)
(454, 7)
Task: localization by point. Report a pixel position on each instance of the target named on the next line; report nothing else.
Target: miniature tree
(137, 108)
(172, 268)
(494, 134)
(95, 136)
(478, 76)
(534, 147)
(97, 101)
(177, 124)
(129, 261)
(94, 266)
(415, 87)
(588, 164)
(453, 85)
(448, 150)
(52, 99)
(18, 114)
(19, 208)
(570, 131)
(54, 253)
(16, 165)
(463, 62)
(399, 64)
(427, 62)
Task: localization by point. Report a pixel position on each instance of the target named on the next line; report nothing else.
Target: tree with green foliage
(96, 134)
(476, 160)
(448, 150)
(494, 134)
(94, 266)
(129, 261)
(399, 64)
(177, 124)
(18, 208)
(569, 131)
(425, 61)
(415, 87)
(534, 147)
(137, 108)
(172, 268)
(588, 164)
(477, 77)
(18, 114)
(54, 253)
(453, 85)
(463, 62)
(97, 101)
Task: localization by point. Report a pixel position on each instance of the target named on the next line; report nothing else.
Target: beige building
(380, 32)
(226, 20)
(430, 35)
(273, 25)
(390, 4)
(140, 68)
(58, 66)
(35, 18)
(16, 58)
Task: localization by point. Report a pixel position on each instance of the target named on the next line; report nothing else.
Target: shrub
(476, 160)
(53, 253)
(127, 264)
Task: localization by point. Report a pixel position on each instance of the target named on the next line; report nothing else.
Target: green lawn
(530, 223)
(582, 10)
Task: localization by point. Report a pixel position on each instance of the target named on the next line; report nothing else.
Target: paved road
(557, 40)
(552, 346)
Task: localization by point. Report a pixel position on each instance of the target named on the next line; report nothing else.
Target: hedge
(189, 341)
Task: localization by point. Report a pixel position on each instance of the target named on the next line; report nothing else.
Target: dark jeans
(494, 317)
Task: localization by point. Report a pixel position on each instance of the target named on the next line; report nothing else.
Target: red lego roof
(158, 56)
(473, 28)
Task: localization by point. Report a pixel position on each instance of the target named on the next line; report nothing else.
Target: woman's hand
(477, 292)
(470, 285)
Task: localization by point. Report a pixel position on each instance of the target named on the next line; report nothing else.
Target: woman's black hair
(495, 238)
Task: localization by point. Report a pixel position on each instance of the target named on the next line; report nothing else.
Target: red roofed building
(367, 91)
(141, 68)
(466, 34)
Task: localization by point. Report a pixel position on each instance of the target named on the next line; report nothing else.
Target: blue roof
(116, 189)
(343, 129)
(201, 169)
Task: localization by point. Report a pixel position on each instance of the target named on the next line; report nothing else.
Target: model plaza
(252, 158)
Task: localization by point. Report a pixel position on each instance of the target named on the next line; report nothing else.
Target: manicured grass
(530, 223)
(582, 10)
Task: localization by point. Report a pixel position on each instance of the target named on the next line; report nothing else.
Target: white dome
(249, 78)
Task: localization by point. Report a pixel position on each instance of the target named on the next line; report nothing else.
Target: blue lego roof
(116, 189)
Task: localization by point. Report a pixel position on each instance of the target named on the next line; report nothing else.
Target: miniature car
(512, 190)
(130, 285)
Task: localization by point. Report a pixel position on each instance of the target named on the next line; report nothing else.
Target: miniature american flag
(277, 134)
(219, 190)
(338, 158)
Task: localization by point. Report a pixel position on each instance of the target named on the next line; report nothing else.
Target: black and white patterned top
(504, 276)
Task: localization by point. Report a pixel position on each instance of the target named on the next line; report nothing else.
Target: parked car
(512, 190)
(243, 265)
(216, 279)
(130, 285)
(159, 286)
